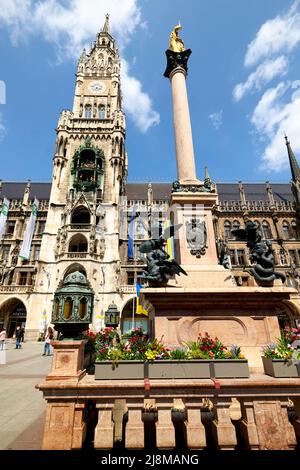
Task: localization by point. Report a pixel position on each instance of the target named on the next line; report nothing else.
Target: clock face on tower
(97, 87)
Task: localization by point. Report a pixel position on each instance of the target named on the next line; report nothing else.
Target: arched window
(73, 268)
(78, 244)
(88, 111)
(235, 226)
(56, 309)
(102, 112)
(80, 215)
(294, 231)
(266, 230)
(227, 229)
(141, 321)
(286, 230)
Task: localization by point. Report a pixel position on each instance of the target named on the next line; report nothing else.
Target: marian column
(176, 71)
(192, 200)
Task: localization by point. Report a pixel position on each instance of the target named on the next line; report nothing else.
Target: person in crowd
(49, 337)
(2, 339)
(19, 336)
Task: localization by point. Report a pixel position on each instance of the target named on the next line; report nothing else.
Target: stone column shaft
(182, 127)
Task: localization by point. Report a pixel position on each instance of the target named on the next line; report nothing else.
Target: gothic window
(266, 230)
(37, 250)
(102, 112)
(5, 253)
(41, 227)
(232, 257)
(241, 257)
(81, 215)
(286, 230)
(235, 226)
(227, 229)
(10, 226)
(78, 244)
(294, 231)
(23, 278)
(56, 309)
(88, 111)
(130, 278)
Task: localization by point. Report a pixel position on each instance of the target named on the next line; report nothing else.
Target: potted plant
(204, 358)
(282, 358)
(117, 359)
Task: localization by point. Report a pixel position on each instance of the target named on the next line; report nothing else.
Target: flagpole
(133, 312)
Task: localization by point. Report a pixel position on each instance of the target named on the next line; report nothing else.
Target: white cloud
(275, 35)
(277, 114)
(264, 73)
(217, 119)
(136, 102)
(278, 109)
(70, 25)
(2, 128)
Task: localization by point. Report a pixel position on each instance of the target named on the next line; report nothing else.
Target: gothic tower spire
(105, 28)
(295, 169)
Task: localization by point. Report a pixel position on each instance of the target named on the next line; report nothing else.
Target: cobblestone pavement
(22, 407)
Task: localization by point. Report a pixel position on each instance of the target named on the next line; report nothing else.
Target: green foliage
(178, 354)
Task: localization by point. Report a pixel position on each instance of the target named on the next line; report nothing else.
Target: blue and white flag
(131, 234)
(26, 245)
(3, 216)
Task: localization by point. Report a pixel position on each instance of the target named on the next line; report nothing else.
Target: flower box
(199, 369)
(230, 368)
(121, 370)
(179, 369)
(279, 368)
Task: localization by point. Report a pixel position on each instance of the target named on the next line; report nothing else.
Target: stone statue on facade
(160, 268)
(261, 254)
(223, 253)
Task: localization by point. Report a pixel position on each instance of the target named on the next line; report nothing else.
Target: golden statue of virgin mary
(176, 43)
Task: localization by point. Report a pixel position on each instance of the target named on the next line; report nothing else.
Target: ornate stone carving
(208, 186)
(196, 237)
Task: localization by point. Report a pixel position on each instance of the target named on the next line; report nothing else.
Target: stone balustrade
(160, 413)
(16, 289)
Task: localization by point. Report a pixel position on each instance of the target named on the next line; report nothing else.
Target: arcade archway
(130, 319)
(13, 313)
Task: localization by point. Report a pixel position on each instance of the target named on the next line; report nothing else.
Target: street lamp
(112, 316)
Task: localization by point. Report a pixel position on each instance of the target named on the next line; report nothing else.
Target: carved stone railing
(262, 404)
(127, 289)
(256, 206)
(76, 255)
(17, 289)
(80, 227)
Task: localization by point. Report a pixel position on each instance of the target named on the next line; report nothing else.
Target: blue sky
(243, 82)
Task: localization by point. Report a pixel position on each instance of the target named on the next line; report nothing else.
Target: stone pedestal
(68, 360)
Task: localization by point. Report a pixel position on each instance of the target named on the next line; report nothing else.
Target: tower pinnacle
(295, 170)
(105, 28)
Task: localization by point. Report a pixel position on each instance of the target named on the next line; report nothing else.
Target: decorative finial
(106, 24)
(286, 139)
(176, 43)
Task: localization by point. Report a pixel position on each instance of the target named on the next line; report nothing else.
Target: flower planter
(199, 369)
(179, 369)
(122, 370)
(279, 368)
(230, 368)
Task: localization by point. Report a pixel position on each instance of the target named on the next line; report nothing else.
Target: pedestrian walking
(49, 337)
(19, 335)
(2, 339)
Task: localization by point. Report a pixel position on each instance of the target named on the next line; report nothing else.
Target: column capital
(176, 60)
